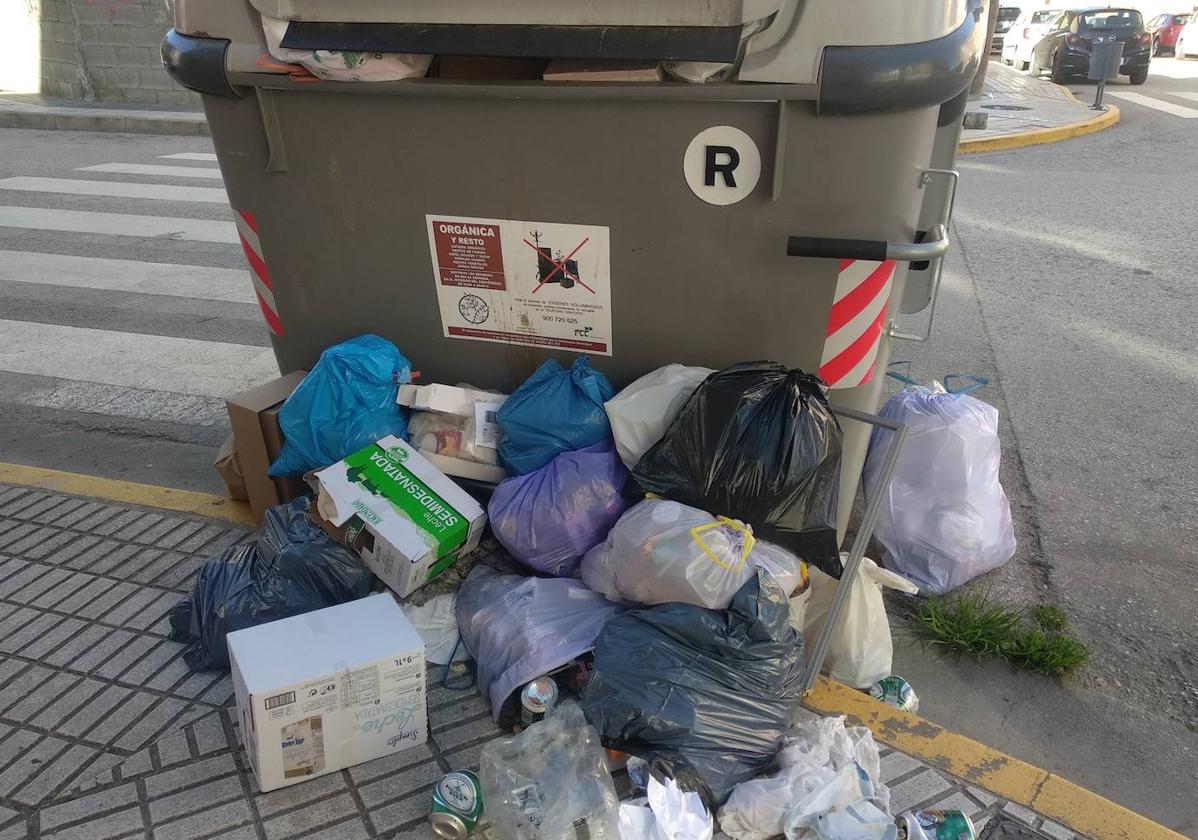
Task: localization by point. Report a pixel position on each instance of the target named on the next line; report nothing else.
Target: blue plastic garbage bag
(291, 567)
(345, 403)
(552, 516)
(554, 411)
(944, 517)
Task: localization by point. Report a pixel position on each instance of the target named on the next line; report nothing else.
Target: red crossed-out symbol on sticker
(560, 265)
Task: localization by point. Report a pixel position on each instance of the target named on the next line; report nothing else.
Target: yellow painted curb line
(112, 490)
(1041, 136)
(1024, 784)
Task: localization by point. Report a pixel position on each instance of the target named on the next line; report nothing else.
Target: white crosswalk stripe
(116, 189)
(1185, 94)
(1183, 111)
(204, 156)
(120, 365)
(117, 224)
(153, 169)
(149, 278)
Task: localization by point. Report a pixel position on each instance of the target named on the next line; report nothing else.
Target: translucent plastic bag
(292, 567)
(829, 786)
(451, 435)
(641, 413)
(555, 410)
(345, 65)
(945, 518)
(550, 782)
(662, 551)
(756, 442)
(549, 518)
(862, 650)
(346, 402)
(520, 628)
(707, 691)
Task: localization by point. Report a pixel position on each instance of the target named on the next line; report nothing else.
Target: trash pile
(660, 561)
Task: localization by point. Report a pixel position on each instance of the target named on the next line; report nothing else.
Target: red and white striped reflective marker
(856, 322)
(247, 229)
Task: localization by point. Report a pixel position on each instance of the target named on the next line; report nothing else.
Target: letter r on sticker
(721, 159)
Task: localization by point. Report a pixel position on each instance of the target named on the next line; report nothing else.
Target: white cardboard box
(405, 517)
(328, 689)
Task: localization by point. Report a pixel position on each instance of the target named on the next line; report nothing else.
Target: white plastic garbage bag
(641, 413)
(945, 518)
(550, 782)
(666, 813)
(436, 620)
(662, 551)
(829, 787)
(344, 65)
(861, 650)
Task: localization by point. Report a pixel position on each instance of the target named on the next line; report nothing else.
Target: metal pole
(869, 519)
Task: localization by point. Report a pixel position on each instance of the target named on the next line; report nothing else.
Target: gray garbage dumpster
(788, 210)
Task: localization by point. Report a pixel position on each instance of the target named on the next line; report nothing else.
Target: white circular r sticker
(722, 164)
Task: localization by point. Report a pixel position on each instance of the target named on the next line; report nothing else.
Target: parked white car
(1031, 26)
(1187, 40)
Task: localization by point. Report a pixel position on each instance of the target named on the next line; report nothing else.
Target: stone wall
(106, 50)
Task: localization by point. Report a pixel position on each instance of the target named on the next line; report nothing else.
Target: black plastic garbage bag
(291, 567)
(756, 442)
(707, 691)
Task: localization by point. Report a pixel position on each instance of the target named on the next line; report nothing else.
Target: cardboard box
(228, 467)
(329, 689)
(599, 70)
(254, 416)
(405, 517)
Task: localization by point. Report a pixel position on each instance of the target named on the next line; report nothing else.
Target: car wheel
(1156, 46)
(1058, 72)
(1025, 65)
(1139, 77)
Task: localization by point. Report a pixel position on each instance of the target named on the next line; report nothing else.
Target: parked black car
(1065, 50)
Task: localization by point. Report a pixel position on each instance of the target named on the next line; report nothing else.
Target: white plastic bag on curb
(344, 65)
(944, 517)
(829, 787)
(662, 551)
(550, 782)
(861, 650)
(436, 620)
(668, 813)
(641, 413)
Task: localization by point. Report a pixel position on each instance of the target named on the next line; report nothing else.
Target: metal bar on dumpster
(827, 247)
(865, 531)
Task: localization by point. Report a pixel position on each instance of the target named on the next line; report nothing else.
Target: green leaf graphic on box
(382, 473)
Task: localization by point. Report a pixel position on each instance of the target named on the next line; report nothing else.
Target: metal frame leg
(870, 518)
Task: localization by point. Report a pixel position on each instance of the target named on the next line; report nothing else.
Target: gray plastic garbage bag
(707, 691)
(550, 782)
(520, 628)
(662, 551)
(292, 567)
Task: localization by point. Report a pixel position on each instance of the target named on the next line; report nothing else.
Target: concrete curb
(1041, 136)
(1050, 795)
(102, 119)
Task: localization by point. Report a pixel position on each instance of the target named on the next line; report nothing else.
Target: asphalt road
(1070, 285)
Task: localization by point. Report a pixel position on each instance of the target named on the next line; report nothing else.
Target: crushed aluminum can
(457, 805)
(895, 691)
(536, 700)
(935, 824)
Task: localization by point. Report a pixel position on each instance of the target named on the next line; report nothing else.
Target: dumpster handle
(925, 178)
(824, 247)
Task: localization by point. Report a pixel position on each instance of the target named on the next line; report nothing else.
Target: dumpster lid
(711, 13)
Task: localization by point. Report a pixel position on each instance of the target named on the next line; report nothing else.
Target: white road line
(153, 362)
(116, 189)
(1159, 104)
(1184, 94)
(147, 278)
(152, 169)
(118, 224)
(204, 156)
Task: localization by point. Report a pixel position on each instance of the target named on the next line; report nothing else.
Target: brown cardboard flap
(246, 417)
(228, 467)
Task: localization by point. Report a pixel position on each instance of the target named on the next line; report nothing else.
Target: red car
(1164, 30)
